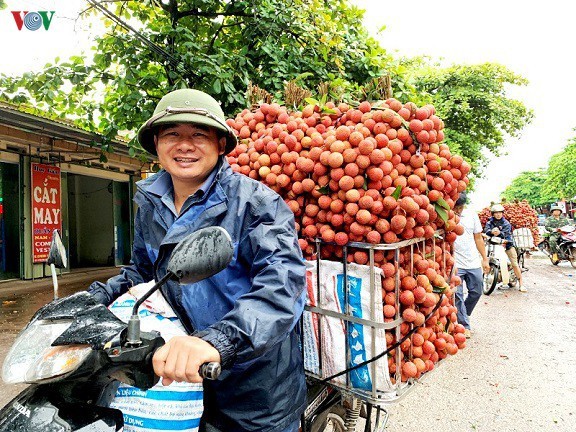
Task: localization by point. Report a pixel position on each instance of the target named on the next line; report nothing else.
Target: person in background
(244, 317)
(498, 226)
(552, 225)
(471, 262)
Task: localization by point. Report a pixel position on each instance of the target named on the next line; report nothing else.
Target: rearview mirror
(198, 256)
(57, 254)
(201, 254)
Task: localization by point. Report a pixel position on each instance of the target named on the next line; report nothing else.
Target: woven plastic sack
(326, 341)
(177, 407)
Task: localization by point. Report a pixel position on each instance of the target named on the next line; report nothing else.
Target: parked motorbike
(501, 271)
(74, 351)
(566, 246)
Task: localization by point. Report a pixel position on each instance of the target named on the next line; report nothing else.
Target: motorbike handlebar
(495, 240)
(210, 370)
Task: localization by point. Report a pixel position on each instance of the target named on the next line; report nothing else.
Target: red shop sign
(46, 208)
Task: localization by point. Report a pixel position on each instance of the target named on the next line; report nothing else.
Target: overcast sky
(24, 50)
(531, 38)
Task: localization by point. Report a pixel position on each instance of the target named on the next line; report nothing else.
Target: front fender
(37, 410)
(502, 258)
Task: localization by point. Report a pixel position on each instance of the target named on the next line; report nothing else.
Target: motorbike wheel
(571, 256)
(521, 261)
(333, 423)
(491, 280)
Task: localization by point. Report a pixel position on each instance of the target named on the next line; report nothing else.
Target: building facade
(94, 197)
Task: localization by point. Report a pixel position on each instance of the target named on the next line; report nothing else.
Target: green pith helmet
(555, 207)
(186, 106)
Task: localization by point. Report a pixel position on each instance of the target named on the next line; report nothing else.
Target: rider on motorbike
(552, 227)
(245, 316)
(498, 226)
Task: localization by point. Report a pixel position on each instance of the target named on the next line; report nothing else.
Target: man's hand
(495, 231)
(485, 265)
(180, 359)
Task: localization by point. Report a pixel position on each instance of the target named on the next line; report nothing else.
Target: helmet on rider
(497, 208)
(555, 207)
(186, 106)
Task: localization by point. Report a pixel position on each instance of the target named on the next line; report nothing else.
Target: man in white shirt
(471, 261)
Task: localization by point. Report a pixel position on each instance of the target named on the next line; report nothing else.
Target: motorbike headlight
(32, 358)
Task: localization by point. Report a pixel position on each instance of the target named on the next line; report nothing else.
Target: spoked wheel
(491, 280)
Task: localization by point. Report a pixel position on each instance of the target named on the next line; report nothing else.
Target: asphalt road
(19, 300)
(516, 373)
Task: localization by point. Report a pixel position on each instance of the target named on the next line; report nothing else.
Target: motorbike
(74, 352)
(566, 246)
(501, 271)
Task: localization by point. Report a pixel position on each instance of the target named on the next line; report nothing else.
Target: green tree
(529, 186)
(472, 101)
(561, 181)
(222, 46)
(215, 46)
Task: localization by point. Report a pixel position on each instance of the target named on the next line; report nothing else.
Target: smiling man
(245, 316)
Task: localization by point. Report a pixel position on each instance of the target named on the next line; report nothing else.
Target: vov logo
(33, 20)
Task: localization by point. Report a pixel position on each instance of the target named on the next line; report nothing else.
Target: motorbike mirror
(198, 256)
(57, 254)
(201, 254)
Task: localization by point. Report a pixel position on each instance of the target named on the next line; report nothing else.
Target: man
(245, 316)
(471, 259)
(552, 224)
(498, 226)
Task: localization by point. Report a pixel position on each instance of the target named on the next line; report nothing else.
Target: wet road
(516, 373)
(18, 303)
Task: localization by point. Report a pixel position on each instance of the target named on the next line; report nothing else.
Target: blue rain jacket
(505, 230)
(249, 311)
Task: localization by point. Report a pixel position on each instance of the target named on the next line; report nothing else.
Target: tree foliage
(529, 186)
(473, 103)
(561, 180)
(215, 46)
(222, 46)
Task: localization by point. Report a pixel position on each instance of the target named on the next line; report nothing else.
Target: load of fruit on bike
(372, 187)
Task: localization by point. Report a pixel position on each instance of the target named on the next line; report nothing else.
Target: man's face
(498, 215)
(188, 152)
(556, 213)
(458, 209)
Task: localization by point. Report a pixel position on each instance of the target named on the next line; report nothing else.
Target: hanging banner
(46, 208)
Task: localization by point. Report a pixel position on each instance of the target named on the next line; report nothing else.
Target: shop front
(9, 221)
(51, 177)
